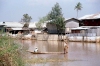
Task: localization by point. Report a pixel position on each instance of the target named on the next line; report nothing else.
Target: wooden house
(51, 27)
(92, 22)
(71, 23)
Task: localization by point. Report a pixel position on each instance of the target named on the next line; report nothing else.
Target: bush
(9, 52)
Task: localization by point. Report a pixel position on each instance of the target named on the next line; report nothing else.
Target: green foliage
(60, 23)
(55, 12)
(9, 55)
(78, 7)
(56, 17)
(26, 18)
(41, 22)
(26, 25)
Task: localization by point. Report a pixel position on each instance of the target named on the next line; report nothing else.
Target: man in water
(65, 48)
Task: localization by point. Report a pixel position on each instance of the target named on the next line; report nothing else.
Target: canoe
(47, 52)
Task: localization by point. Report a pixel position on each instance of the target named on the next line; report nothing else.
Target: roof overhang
(20, 28)
(79, 28)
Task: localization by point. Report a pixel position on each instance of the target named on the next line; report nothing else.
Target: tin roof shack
(24, 31)
(2, 29)
(52, 29)
(19, 32)
(71, 23)
(9, 25)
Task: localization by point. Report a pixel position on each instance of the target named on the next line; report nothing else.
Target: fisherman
(36, 49)
(65, 48)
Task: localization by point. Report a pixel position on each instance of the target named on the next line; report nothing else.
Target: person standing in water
(65, 48)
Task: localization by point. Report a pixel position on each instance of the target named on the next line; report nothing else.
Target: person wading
(65, 48)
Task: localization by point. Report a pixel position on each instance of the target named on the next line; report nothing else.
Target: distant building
(51, 27)
(92, 22)
(71, 23)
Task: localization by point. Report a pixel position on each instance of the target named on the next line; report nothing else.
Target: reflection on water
(45, 46)
(83, 54)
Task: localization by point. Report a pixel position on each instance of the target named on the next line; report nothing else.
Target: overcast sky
(13, 10)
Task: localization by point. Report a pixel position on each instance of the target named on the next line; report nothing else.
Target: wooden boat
(47, 52)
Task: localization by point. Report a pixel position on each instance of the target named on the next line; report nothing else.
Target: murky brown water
(79, 54)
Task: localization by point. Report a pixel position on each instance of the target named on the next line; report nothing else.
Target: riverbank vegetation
(9, 52)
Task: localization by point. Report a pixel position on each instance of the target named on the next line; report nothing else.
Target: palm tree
(78, 7)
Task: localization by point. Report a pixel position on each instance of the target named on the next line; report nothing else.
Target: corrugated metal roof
(20, 25)
(91, 16)
(11, 24)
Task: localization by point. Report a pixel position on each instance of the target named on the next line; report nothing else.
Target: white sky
(13, 10)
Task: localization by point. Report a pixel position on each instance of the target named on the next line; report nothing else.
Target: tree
(41, 22)
(78, 7)
(55, 16)
(26, 19)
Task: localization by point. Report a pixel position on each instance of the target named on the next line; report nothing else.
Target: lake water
(79, 54)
